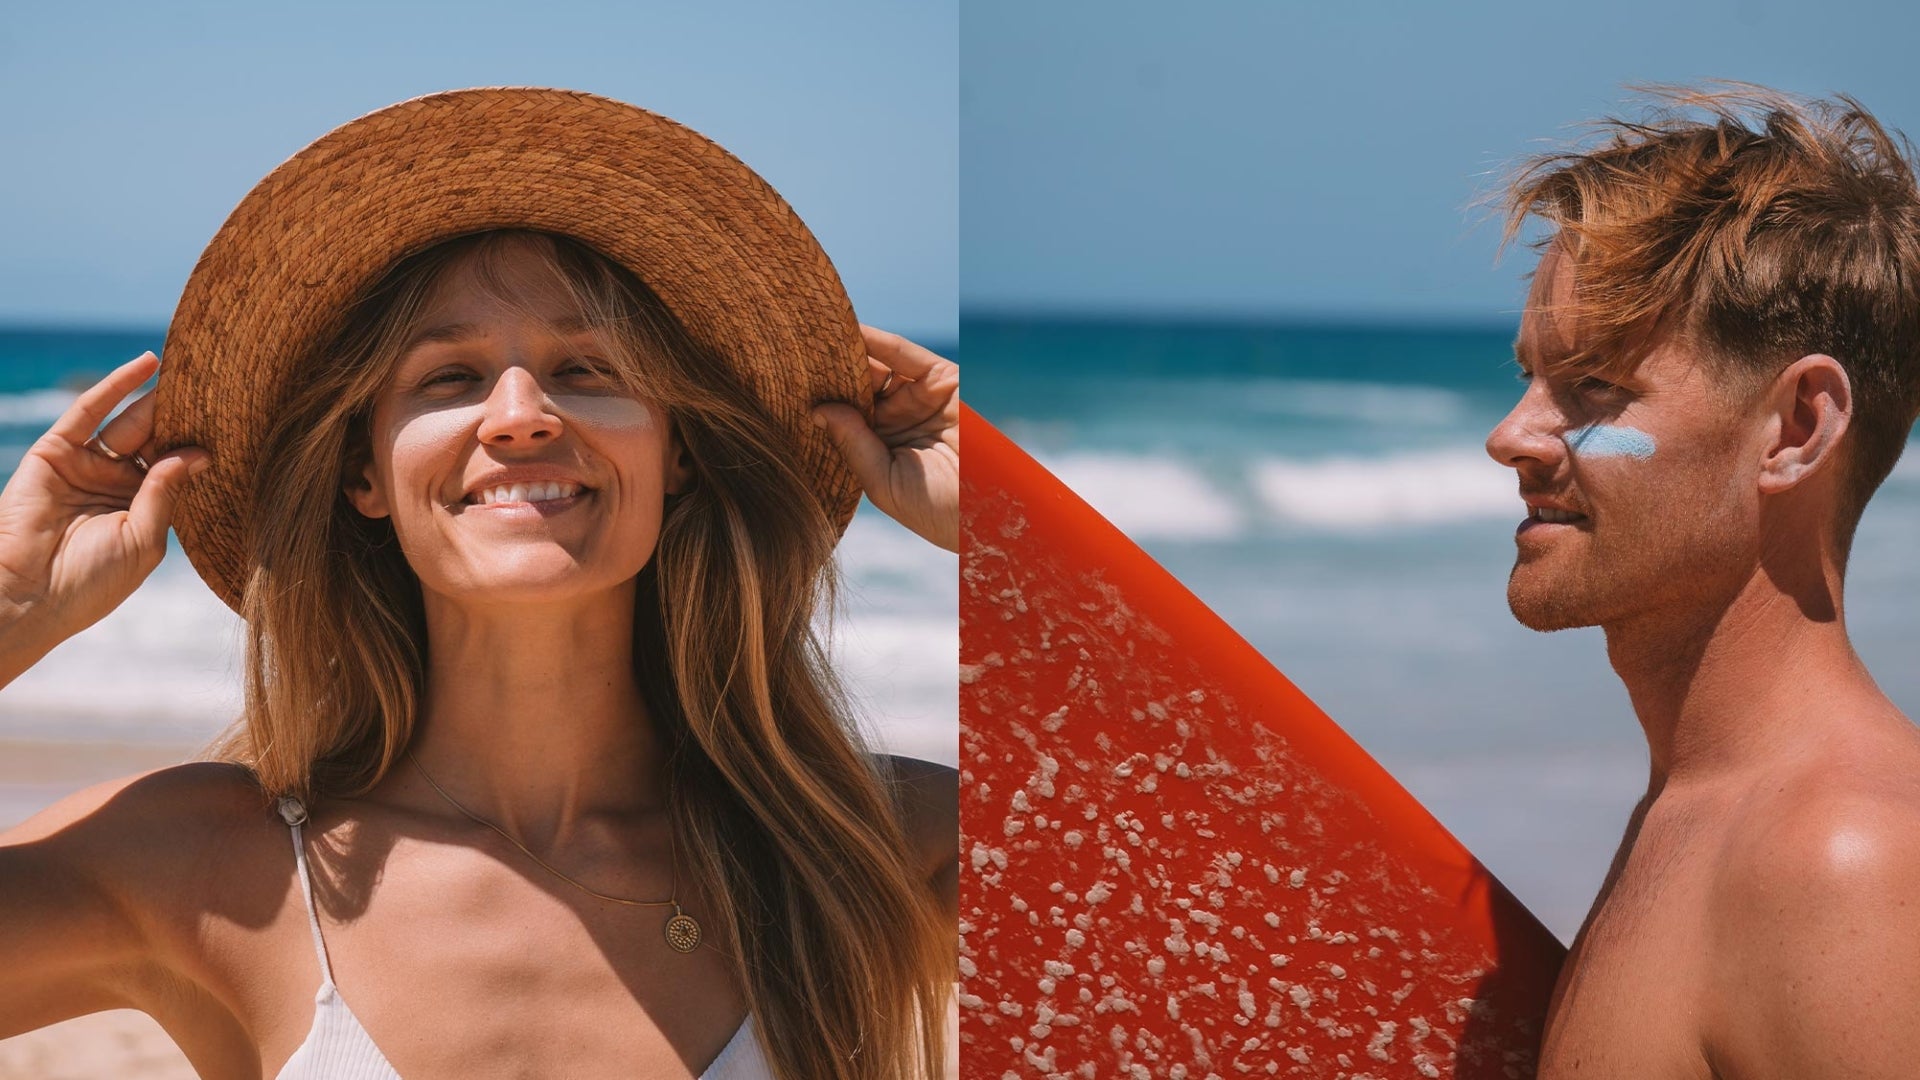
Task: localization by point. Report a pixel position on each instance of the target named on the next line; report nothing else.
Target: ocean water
(1325, 490)
(163, 668)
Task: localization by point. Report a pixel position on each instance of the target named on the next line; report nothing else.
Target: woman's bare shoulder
(928, 795)
(164, 831)
(123, 894)
(193, 797)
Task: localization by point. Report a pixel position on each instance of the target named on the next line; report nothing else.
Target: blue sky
(130, 130)
(1236, 158)
(1290, 159)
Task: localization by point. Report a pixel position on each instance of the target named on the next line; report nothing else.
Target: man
(1722, 345)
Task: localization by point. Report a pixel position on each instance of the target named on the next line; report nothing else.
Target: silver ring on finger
(97, 446)
(888, 385)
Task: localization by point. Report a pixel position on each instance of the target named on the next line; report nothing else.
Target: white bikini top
(338, 1048)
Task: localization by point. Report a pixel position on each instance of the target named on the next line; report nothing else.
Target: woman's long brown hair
(844, 958)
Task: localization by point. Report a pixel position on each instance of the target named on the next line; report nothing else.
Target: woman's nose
(518, 412)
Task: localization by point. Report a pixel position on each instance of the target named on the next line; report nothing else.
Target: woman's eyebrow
(456, 333)
(444, 334)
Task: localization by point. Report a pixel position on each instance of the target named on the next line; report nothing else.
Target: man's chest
(1630, 998)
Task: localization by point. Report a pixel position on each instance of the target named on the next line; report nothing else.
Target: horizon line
(1394, 320)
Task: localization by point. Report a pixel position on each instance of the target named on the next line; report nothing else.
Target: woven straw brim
(719, 246)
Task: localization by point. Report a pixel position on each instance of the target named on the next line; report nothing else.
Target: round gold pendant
(683, 934)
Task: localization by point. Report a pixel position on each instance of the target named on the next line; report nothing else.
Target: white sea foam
(896, 640)
(876, 550)
(1169, 498)
(162, 667)
(900, 671)
(1328, 399)
(1354, 493)
(165, 666)
(1151, 497)
(40, 407)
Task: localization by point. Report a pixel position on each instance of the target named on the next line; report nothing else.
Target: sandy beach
(122, 1044)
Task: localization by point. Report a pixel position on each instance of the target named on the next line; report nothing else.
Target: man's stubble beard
(1671, 577)
(1545, 600)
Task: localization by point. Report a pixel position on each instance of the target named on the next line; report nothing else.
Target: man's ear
(1810, 406)
(363, 491)
(679, 465)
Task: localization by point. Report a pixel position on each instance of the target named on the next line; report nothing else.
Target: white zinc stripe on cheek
(610, 411)
(1608, 440)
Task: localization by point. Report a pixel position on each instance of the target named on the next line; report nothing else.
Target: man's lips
(1553, 516)
(1543, 512)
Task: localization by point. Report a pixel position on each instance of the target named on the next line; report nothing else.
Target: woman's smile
(520, 504)
(522, 493)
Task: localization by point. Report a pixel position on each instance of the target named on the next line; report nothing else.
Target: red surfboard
(1174, 864)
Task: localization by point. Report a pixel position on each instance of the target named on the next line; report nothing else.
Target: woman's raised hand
(80, 528)
(908, 460)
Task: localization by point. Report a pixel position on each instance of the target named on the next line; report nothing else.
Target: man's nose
(1530, 433)
(518, 412)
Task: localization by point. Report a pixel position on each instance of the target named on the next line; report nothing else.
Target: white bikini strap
(295, 815)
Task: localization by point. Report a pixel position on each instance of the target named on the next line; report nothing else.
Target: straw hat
(713, 240)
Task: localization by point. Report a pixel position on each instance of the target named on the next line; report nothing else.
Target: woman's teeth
(1557, 517)
(539, 491)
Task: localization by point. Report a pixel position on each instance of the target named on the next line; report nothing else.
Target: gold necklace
(682, 931)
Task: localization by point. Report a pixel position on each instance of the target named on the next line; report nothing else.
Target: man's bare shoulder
(1814, 921)
(1835, 828)
(1851, 809)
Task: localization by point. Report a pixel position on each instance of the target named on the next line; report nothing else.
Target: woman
(515, 462)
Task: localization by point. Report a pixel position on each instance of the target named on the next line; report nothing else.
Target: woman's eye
(587, 367)
(450, 375)
(1587, 384)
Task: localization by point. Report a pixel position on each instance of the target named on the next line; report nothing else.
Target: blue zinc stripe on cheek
(1606, 440)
